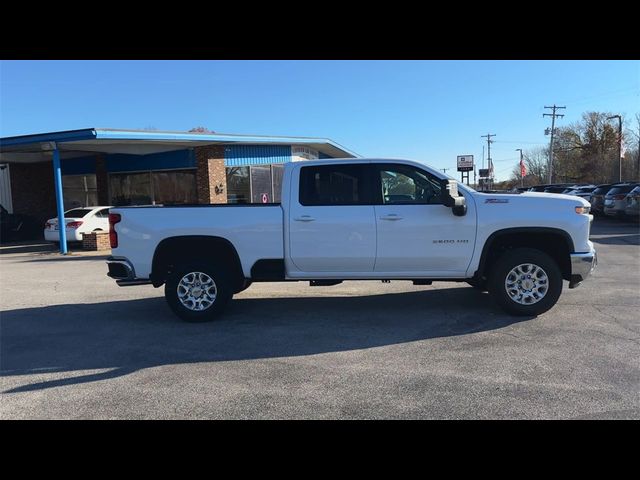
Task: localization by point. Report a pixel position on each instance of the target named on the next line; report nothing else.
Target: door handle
(304, 218)
(391, 216)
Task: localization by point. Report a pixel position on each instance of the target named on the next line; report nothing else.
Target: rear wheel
(198, 292)
(525, 282)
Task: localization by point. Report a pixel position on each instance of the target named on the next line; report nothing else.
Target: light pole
(520, 165)
(619, 144)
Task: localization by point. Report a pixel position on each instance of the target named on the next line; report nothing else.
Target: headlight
(583, 210)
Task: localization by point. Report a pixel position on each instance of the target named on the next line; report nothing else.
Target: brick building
(130, 167)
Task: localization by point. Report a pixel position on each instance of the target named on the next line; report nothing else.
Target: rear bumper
(123, 272)
(54, 235)
(582, 264)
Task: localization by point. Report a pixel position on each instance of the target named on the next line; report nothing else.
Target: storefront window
(130, 188)
(238, 185)
(277, 172)
(153, 188)
(261, 184)
(79, 190)
(174, 187)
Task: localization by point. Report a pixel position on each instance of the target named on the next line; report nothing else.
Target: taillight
(113, 235)
(48, 224)
(74, 224)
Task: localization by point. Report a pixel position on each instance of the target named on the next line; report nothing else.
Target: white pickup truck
(365, 219)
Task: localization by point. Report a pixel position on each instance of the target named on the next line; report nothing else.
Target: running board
(323, 283)
(131, 283)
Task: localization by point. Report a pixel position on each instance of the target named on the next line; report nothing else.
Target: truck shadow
(131, 335)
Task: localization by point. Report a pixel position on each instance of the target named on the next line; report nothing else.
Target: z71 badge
(496, 200)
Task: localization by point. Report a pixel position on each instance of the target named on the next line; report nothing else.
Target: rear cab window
(335, 184)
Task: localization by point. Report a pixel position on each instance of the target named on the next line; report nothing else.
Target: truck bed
(255, 230)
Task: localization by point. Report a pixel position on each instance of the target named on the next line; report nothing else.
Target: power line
(553, 124)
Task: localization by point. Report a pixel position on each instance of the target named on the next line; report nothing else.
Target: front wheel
(525, 282)
(198, 292)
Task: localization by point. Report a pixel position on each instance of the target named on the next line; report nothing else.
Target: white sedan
(78, 221)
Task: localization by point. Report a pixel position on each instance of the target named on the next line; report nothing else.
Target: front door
(332, 227)
(415, 232)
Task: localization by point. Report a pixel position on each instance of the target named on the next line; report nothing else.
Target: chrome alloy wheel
(197, 291)
(527, 284)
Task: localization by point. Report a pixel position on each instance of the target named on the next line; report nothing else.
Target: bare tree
(535, 161)
(201, 130)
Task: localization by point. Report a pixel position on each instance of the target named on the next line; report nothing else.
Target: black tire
(224, 292)
(245, 285)
(511, 259)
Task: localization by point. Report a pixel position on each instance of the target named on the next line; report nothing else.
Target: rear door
(332, 227)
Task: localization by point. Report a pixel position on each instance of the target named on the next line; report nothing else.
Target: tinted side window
(104, 213)
(404, 184)
(333, 185)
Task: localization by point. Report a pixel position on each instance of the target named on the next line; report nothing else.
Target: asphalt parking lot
(74, 345)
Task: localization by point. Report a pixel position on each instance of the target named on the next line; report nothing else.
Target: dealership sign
(465, 163)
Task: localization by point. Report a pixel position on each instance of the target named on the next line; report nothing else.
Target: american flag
(523, 168)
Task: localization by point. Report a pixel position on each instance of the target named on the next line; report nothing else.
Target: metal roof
(73, 143)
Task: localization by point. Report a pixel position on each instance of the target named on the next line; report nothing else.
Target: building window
(238, 185)
(177, 187)
(277, 172)
(299, 153)
(153, 188)
(79, 190)
(261, 188)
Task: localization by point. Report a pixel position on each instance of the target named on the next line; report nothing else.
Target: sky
(430, 111)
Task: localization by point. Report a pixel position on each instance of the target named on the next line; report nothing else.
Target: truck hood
(532, 198)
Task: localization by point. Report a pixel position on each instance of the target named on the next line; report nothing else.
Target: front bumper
(123, 272)
(582, 264)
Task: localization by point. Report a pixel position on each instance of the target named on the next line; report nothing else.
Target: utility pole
(553, 127)
(445, 169)
(619, 144)
(489, 163)
(520, 165)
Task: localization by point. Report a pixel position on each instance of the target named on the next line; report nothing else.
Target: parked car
(555, 189)
(582, 192)
(538, 188)
(78, 221)
(597, 198)
(15, 226)
(364, 219)
(632, 208)
(615, 201)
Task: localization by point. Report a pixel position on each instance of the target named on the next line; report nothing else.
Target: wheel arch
(555, 242)
(187, 248)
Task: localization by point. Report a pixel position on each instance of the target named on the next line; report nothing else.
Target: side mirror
(451, 198)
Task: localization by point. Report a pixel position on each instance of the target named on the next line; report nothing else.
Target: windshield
(77, 213)
(622, 189)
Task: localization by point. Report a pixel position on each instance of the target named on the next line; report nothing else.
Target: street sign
(484, 173)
